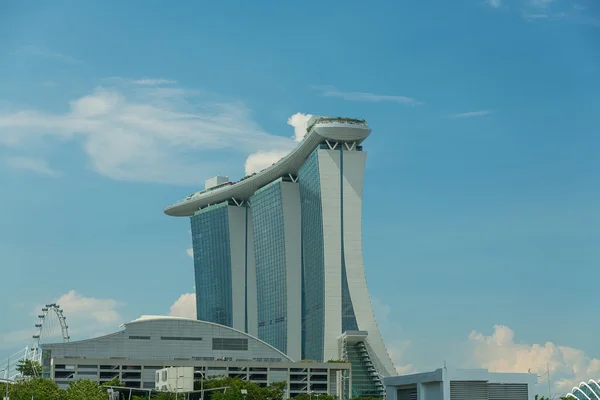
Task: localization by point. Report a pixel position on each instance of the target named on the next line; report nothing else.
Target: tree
(275, 391)
(163, 396)
(364, 398)
(306, 396)
(114, 382)
(37, 388)
(85, 389)
(29, 368)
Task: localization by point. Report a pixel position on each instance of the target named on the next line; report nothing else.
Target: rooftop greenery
(344, 120)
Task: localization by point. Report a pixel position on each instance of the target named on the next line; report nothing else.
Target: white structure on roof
(175, 379)
(215, 181)
(468, 384)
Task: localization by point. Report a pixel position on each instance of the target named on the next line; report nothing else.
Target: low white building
(175, 379)
(472, 384)
(149, 344)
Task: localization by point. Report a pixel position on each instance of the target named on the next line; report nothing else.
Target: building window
(229, 344)
(180, 338)
(139, 337)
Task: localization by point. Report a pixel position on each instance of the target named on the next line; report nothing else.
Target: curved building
(279, 254)
(151, 343)
(586, 391)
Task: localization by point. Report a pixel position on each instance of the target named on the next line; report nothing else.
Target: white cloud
(260, 160)
(499, 352)
(154, 82)
(184, 306)
(100, 312)
(471, 114)
(331, 91)
(155, 135)
(299, 122)
(494, 3)
(36, 165)
(86, 316)
(190, 252)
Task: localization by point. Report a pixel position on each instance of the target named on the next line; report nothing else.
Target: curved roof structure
(320, 129)
(586, 391)
(165, 337)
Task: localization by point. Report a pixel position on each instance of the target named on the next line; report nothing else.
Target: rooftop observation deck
(320, 129)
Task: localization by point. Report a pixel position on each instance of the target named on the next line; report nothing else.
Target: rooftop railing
(343, 120)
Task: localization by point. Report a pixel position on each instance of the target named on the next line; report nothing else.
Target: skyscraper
(277, 248)
(279, 254)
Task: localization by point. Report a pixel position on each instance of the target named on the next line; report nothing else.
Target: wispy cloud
(154, 82)
(494, 3)
(471, 114)
(331, 91)
(145, 134)
(43, 52)
(549, 10)
(541, 3)
(39, 166)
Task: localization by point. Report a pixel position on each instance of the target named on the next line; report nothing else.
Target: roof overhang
(321, 130)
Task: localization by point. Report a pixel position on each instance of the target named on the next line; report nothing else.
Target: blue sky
(481, 201)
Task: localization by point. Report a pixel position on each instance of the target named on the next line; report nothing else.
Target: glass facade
(269, 253)
(212, 264)
(586, 392)
(313, 259)
(46, 360)
(363, 383)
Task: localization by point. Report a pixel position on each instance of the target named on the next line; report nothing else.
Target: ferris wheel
(51, 327)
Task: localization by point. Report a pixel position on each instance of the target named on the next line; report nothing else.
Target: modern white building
(150, 344)
(586, 391)
(279, 253)
(468, 384)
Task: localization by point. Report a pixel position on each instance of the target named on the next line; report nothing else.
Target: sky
(481, 202)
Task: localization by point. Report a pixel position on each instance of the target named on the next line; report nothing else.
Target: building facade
(152, 343)
(474, 384)
(284, 248)
(277, 248)
(225, 273)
